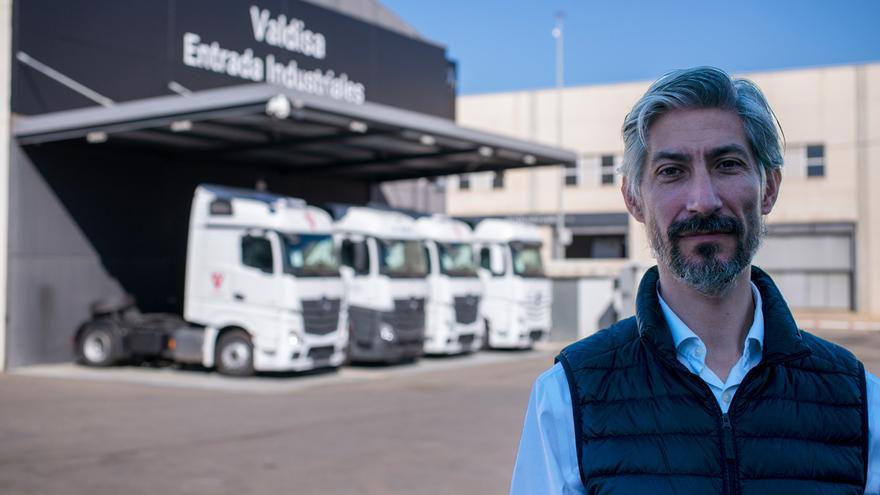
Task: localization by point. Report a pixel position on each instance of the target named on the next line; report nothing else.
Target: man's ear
(771, 191)
(634, 205)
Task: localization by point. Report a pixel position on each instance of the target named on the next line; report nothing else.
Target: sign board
(133, 50)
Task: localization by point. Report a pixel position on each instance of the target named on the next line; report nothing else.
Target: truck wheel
(97, 347)
(235, 354)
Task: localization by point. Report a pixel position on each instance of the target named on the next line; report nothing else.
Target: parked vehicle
(517, 296)
(262, 293)
(453, 324)
(384, 269)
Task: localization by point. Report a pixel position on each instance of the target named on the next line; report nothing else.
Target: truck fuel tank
(185, 345)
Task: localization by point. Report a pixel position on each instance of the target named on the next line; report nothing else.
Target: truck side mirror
(346, 253)
(361, 259)
(354, 254)
(485, 259)
(428, 264)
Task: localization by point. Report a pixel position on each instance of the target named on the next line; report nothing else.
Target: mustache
(704, 225)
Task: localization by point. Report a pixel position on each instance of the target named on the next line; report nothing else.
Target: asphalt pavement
(440, 426)
(448, 425)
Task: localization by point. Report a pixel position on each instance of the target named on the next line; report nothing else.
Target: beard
(708, 274)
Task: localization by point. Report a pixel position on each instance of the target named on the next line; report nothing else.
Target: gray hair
(698, 88)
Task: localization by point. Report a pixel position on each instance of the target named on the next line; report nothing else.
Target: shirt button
(725, 396)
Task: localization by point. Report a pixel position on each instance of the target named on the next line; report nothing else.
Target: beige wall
(838, 107)
(868, 247)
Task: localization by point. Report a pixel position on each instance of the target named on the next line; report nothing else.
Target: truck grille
(321, 316)
(466, 309)
(408, 315)
(321, 353)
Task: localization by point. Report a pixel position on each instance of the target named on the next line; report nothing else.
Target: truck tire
(97, 346)
(235, 354)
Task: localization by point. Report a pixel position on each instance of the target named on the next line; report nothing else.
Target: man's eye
(730, 164)
(668, 172)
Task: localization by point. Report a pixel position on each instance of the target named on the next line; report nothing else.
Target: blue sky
(506, 45)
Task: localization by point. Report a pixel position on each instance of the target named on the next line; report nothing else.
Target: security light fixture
(181, 125)
(278, 107)
(358, 126)
(96, 137)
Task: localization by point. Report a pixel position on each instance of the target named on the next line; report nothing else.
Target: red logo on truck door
(217, 280)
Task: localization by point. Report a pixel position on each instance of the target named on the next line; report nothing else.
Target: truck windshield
(456, 259)
(399, 258)
(527, 259)
(310, 255)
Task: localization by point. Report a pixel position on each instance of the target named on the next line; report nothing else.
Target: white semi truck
(262, 292)
(453, 324)
(384, 269)
(517, 296)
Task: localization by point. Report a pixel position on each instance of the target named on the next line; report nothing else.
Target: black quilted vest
(646, 425)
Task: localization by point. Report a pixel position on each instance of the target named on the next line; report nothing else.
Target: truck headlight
(294, 340)
(386, 333)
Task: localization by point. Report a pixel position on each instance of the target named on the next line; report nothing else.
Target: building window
(607, 169)
(498, 180)
(570, 174)
(815, 160)
(464, 182)
(596, 246)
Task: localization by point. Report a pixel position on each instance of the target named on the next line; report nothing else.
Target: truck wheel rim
(96, 347)
(235, 355)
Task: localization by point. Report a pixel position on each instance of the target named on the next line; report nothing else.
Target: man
(710, 387)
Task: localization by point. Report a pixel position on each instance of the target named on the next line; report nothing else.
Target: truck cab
(262, 279)
(516, 304)
(453, 322)
(384, 269)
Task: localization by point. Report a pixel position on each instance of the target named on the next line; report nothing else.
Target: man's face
(702, 197)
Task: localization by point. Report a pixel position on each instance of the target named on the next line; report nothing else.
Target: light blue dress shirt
(547, 459)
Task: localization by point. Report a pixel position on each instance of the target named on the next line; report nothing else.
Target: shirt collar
(682, 336)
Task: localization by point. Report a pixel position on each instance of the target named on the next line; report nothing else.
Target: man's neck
(722, 322)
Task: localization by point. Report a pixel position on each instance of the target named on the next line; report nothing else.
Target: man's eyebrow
(726, 150)
(669, 155)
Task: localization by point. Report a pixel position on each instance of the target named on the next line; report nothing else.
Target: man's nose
(703, 198)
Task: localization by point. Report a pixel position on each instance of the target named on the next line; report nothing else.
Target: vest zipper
(729, 453)
(727, 445)
(727, 427)
(727, 440)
